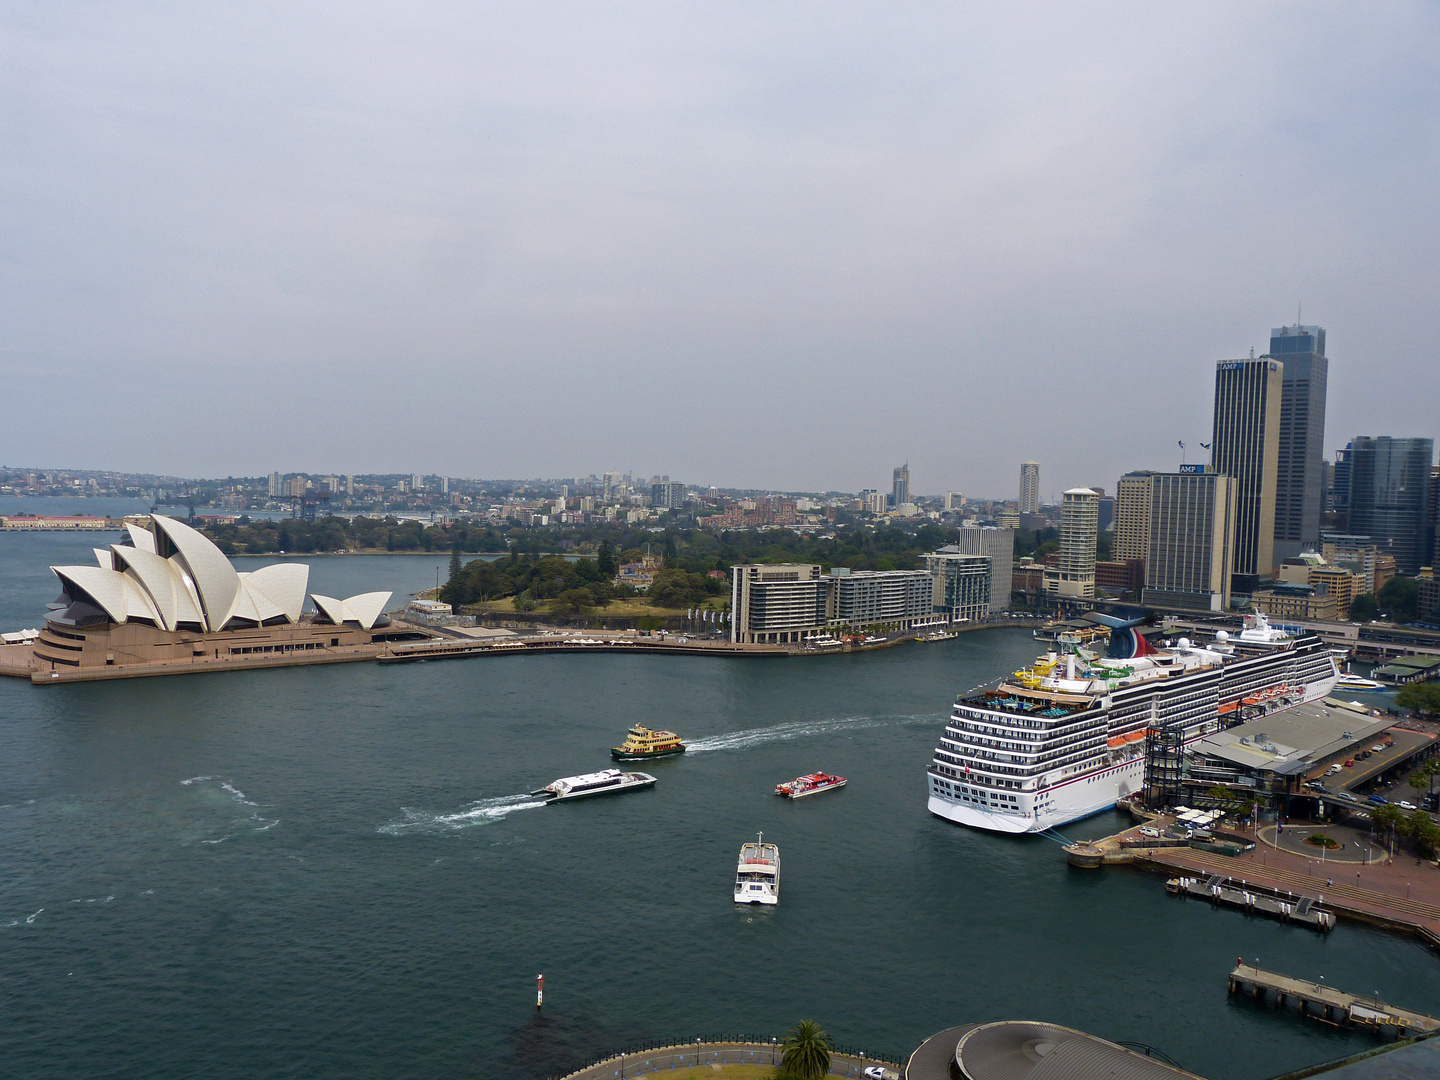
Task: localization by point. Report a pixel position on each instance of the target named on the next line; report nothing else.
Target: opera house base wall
(135, 650)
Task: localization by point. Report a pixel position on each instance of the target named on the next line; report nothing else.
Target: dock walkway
(1334, 1006)
(1393, 910)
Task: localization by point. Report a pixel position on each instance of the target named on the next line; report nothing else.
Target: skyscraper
(1390, 496)
(1298, 488)
(1132, 516)
(1029, 487)
(1074, 578)
(1190, 537)
(274, 484)
(1245, 444)
(900, 486)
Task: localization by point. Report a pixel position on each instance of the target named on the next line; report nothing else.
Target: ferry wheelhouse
(1067, 737)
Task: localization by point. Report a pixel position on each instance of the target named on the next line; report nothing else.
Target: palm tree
(806, 1051)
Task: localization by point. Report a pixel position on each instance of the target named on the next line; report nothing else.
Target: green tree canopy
(806, 1051)
(1400, 599)
(1423, 697)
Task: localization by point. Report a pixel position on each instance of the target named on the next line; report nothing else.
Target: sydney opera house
(170, 601)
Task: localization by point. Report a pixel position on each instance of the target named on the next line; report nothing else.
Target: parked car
(1379, 800)
(1150, 831)
(1378, 747)
(1406, 805)
(1333, 770)
(879, 1072)
(1349, 762)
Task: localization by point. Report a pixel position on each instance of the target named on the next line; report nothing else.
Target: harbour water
(334, 872)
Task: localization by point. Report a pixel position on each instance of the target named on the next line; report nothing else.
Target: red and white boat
(812, 784)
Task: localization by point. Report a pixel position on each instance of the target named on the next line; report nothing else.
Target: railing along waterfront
(766, 1050)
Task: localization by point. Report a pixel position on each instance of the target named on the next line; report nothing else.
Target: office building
(1104, 511)
(997, 545)
(900, 486)
(1132, 516)
(667, 495)
(1189, 561)
(893, 598)
(1340, 484)
(1434, 544)
(963, 584)
(778, 603)
(1029, 487)
(1299, 486)
(1074, 576)
(954, 500)
(1245, 444)
(875, 502)
(1390, 496)
(275, 484)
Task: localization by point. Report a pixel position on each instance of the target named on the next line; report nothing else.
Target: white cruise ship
(1066, 737)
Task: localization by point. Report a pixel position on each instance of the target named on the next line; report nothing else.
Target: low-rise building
(1298, 602)
(964, 584)
(777, 603)
(1267, 759)
(893, 598)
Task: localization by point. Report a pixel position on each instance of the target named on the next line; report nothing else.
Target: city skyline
(548, 241)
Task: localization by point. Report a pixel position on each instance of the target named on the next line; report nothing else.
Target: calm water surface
(335, 872)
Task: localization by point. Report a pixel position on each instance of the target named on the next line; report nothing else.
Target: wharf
(1334, 1006)
(1219, 889)
(1408, 903)
(449, 649)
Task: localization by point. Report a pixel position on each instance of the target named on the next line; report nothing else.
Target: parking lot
(1391, 759)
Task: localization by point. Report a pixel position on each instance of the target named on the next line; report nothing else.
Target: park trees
(1423, 697)
(806, 1051)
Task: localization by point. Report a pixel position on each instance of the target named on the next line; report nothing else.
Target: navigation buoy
(540, 991)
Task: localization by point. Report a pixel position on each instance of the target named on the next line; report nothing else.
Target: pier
(1329, 1004)
(1251, 898)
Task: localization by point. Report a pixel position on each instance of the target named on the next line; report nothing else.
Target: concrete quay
(712, 1057)
(1402, 897)
(1330, 1004)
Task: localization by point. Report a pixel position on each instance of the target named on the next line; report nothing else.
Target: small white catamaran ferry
(757, 877)
(605, 782)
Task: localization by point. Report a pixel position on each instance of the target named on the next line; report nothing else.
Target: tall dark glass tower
(1299, 486)
(1390, 496)
(1244, 445)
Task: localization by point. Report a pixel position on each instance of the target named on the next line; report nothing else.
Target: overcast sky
(772, 245)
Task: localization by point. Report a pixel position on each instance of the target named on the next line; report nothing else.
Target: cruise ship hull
(1079, 798)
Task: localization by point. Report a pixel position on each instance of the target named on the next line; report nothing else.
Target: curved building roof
(176, 579)
(364, 609)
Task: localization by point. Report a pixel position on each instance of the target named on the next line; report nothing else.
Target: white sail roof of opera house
(176, 579)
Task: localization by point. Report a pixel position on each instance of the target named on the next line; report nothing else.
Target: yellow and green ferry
(643, 744)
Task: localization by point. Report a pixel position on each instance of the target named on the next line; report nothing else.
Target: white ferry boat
(1066, 737)
(605, 782)
(1356, 682)
(757, 876)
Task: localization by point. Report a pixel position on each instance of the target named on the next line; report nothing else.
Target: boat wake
(480, 812)
(802, 729)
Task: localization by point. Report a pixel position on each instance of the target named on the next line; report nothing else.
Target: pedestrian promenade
(711, 1059)
(1404, 894)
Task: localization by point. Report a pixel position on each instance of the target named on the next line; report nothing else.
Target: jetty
(1329, 1004)
(1255, 899)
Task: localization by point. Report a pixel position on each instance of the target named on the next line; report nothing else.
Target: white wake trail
(800, 729)
(480, 812)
